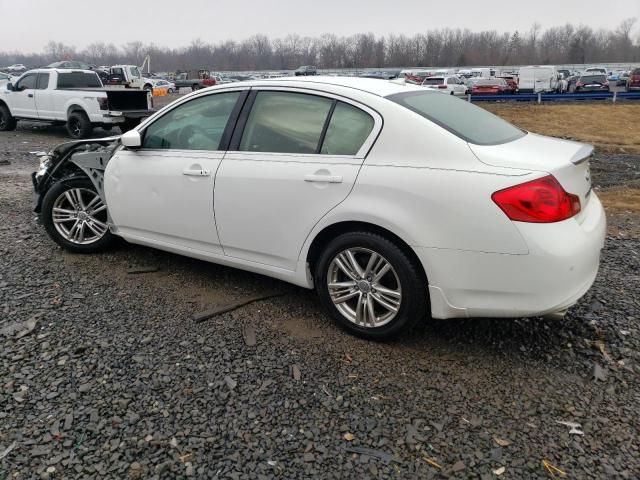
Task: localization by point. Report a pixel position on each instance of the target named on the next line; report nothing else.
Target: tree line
(567, 44)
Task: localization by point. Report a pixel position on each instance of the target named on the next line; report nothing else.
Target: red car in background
(634, 80)
(511, 82)
(493, 86)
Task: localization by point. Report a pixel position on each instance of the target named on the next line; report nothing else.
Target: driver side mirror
(10, 86)
(131, 139)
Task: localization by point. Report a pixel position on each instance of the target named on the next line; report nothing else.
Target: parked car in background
(565, 73)
(591, 83)
(72, 97)
(170, 86)
(492, 221)
(490, 86)
(305, 70)
(623, 77)
(194, 79)
(16, 68)
(128, 76)
(596, 71)
(512, 82)
(451, 85)
(381, 74)
(634, 80)
(538, 79)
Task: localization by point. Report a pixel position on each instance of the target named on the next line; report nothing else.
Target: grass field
(611, 128)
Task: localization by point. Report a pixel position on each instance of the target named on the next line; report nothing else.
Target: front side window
(284, 122)
(465, 120)
(27, 82)
(43, 81)
(135, 73)
(196, 125)
(349, 128)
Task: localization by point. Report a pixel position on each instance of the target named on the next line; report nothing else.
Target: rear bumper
(559, 269)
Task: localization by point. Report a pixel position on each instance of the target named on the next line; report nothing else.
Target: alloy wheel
(80, 216)
(364, 287)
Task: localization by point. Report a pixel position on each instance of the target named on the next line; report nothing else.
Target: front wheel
(75, 216)
(370, 286)
(7, 122)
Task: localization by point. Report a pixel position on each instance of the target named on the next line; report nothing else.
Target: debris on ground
(249, 335)
(295, 372)
(501, 442)
(140, 270)
(575, 428)
(599, 373)
(219, 310)
(385, 457)
(349, 437)
(499, 471)
(554, 471)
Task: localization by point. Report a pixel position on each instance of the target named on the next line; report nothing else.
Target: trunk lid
(566, 160)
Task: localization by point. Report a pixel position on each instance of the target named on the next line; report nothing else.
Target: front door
(23, 102)
(297, 157)
(162, 193)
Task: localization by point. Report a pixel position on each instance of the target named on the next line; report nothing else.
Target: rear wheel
(370, 286)
(75, 216)
(7, 122)
(79, 125)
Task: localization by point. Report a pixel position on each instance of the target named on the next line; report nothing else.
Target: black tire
(79, 126)
(57, 190)
(414, 302)
(170, 90)
(195, 87)
(7, 122)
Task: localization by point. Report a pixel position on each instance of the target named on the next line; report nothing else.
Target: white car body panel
(538, 79)
(420, 182)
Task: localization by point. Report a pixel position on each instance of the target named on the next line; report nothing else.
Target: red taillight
(538, 201)
(579, 84)
(104, 103)
(442, 86)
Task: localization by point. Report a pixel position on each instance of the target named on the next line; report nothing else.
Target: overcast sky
(27, 25)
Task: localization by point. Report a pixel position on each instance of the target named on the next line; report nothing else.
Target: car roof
(381, 88)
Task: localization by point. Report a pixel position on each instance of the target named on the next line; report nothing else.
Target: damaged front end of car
(72, 159)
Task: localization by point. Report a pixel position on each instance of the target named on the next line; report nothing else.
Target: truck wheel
(75, 216)
(79, 125)
(7, 122)
(195, 87)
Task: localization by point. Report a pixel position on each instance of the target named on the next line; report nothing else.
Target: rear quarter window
(469, 122)
(78, 80)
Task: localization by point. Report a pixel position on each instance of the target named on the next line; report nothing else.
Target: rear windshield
(472, 124)
(433, 81)
(636, 72)
(79, 80)
(593, 79)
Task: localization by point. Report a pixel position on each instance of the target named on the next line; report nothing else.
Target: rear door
(295, 155)
(23, 101)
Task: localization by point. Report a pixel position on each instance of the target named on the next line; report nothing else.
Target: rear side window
(469, 122)
(79, 80)
(433, 81)
(348, 129)
(636, 72)
(43, 81)
(196, 125)
(284, 122)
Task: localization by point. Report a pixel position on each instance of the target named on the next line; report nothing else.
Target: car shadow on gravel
(48, 130)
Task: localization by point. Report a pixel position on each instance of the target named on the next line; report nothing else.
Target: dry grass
(611, 128)
(621, 199)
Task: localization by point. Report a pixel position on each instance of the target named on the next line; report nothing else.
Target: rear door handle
(30, 95)
(196, 172)
(323, 178)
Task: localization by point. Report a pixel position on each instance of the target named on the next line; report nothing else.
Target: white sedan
(394, 202)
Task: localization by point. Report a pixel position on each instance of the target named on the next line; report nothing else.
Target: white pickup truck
(72, 97)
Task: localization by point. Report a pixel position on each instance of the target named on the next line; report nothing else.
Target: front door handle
(196, 172)
(30, 95)
(323, 178)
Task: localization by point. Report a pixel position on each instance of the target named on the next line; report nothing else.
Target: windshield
(465, 120)
(593, 79)
(79, 80)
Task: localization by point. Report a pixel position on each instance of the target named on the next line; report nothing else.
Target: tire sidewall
(414, 288)
(10, 122)
(46, 216)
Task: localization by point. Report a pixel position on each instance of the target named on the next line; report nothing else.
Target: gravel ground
(105, 374)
